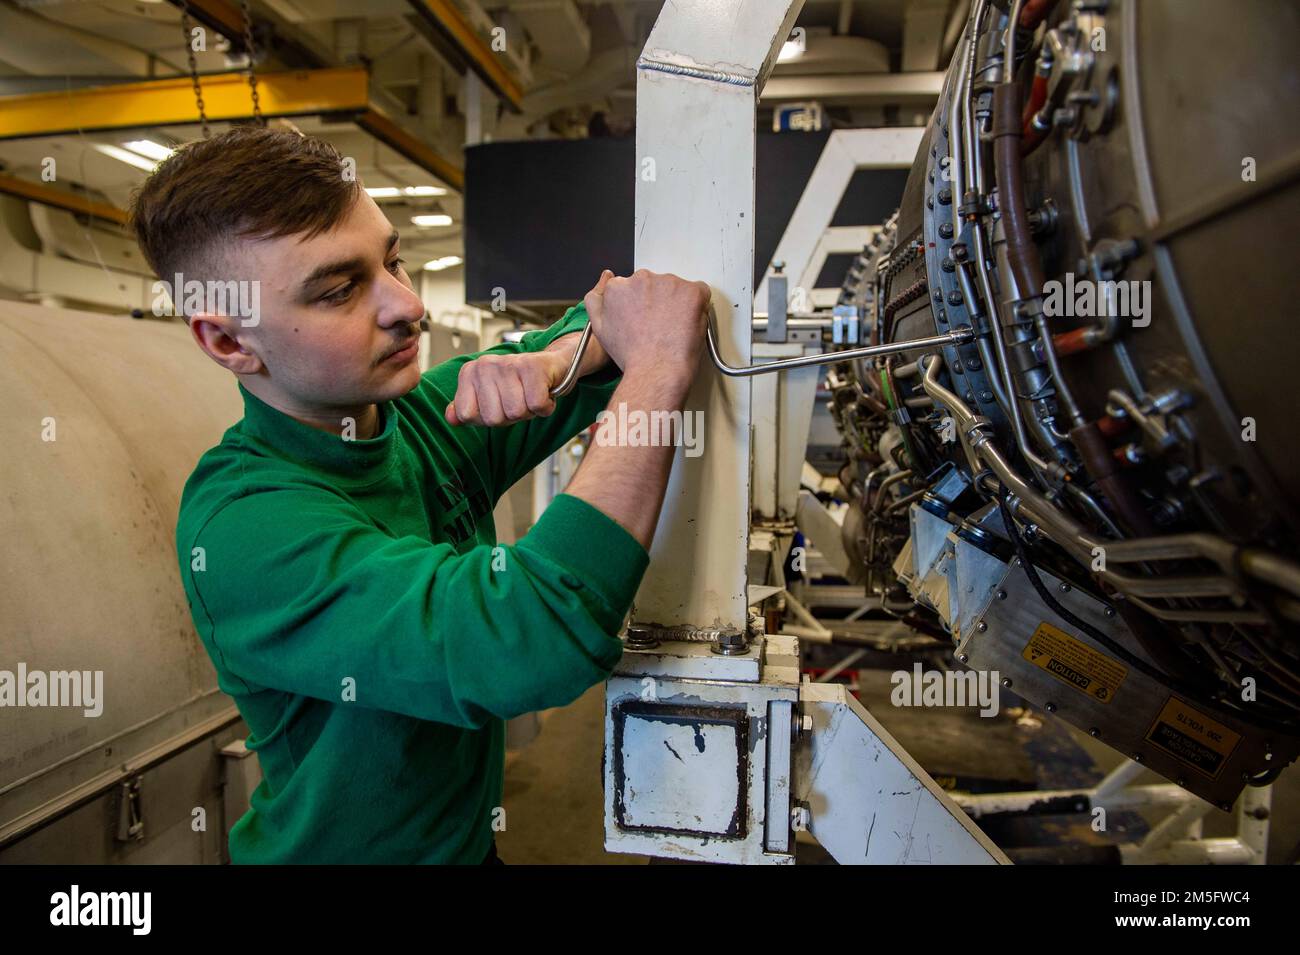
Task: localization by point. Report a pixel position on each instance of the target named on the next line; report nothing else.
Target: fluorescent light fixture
(126, 156)
(415, 192)
(446, 262)
(431, 220)
(149, 149)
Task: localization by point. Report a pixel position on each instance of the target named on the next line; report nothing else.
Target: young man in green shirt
(337, 547)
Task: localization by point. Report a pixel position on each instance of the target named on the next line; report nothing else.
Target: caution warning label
(1075, 663)
(1193, 738)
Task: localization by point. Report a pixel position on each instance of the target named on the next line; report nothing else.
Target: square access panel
(681, 769)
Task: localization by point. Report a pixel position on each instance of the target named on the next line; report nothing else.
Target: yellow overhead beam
(38, 192)
(343, 92)
(171, 101)
(452, 23)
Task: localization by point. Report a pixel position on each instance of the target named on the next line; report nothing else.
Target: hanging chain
(194, 66)
(252, 72)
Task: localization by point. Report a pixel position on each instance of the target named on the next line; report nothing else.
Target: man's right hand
(650, 322)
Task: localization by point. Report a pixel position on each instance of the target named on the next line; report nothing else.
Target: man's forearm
(627, 482)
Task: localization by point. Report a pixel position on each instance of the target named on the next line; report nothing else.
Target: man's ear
(218, 336)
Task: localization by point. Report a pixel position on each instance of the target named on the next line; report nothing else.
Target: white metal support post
(698, 82)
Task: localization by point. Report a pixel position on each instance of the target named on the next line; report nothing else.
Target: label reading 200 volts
(1193, 738)
(1075, 663)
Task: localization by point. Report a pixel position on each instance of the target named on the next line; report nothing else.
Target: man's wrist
(594, 358)
(668, 384)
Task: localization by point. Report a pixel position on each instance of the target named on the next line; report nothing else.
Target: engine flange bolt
(945, 196)
(945, 230)
(954, 297)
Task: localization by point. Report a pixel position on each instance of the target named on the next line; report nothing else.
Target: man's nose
(400, 306)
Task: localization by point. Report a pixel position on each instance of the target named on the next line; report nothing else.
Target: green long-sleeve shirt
(375, 640)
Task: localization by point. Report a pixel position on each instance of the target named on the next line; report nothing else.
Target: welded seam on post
(698, 72)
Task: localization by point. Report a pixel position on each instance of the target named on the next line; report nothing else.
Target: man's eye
(341, 296)
(396, 265)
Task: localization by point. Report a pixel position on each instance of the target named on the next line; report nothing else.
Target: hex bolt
(964, 658)
(1110, 611)
(1006, 681)
(945, 230)
(1094, 733)
(1050, 707)
(981, 626)
(1065, 588)
(1002, 595)
(641, 638)
(1139, 758)
(731, 643)
(945, 195)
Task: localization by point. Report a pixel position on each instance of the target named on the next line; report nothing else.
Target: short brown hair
(251, 181)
